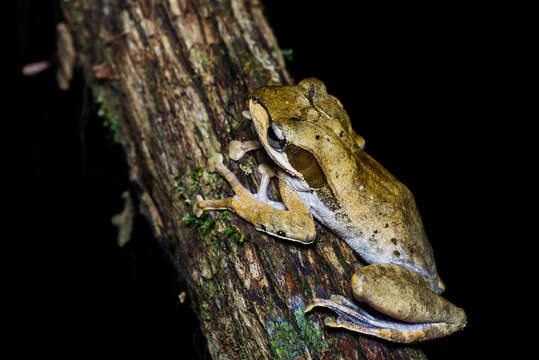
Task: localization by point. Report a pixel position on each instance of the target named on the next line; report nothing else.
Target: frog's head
(286, 118)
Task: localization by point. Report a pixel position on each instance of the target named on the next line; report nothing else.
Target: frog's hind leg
(400, 293)
(354, 319)
(289, 220)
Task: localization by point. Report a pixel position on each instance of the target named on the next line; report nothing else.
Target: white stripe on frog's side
(282, 237)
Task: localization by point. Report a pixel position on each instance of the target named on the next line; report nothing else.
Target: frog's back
(377, 215)
(387, 216)
(355, 196)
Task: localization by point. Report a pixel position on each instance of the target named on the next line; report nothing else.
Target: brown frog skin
(324, 173)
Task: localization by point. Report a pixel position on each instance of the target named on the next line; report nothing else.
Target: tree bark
(172, 78)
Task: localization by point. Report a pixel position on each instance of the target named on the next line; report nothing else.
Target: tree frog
(324, 173)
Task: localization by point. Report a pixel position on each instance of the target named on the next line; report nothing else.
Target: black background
(423, 87)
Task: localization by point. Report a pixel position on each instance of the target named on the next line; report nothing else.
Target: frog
(324, 174)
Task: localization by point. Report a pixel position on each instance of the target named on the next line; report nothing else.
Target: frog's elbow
(309, 232)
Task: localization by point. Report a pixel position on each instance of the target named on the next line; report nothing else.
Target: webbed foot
(237, 149)
(354, 319)
(419, 313)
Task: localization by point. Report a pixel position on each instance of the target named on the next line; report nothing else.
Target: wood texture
(172, 78)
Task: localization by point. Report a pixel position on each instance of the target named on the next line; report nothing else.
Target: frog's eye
(276, 138)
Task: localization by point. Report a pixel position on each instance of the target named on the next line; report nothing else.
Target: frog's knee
(307, 229)
(265, 169)
(358, 279)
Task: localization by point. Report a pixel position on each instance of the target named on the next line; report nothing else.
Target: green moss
(285, 341)
(234, 232)
(205, 224)
(288, 54)
(196, 173)
(217, 185)
(112, 122)
(111, 119)
(204, 311)
(290, 342)
(312, 335)
(198, 181)
(188, 186)
(79, 17)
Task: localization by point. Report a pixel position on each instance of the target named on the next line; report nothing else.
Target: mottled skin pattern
(325, 174)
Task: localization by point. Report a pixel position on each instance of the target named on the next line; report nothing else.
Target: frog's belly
(331, 216)
(341, 226)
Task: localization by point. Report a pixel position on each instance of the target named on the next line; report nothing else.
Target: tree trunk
(172, 78)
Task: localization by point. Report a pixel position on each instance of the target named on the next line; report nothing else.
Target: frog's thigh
(403, 294)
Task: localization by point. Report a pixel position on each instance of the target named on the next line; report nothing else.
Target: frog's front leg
(290, 220)
(401, 294)
(237, 149)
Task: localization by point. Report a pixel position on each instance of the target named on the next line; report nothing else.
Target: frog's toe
(341, 300)
(246, 114)
(340, 323)
(237, 149)
(197, 210)
(330, 322)
(351, 325)
(214, 162)
(351, 317)
(361, 327)
(342, 306)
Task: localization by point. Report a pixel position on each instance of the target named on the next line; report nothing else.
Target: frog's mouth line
(262, 120)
